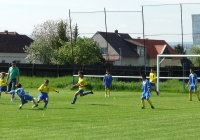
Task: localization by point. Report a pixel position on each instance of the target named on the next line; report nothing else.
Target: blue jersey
(145, 86)
(107, 79)
(20, 92)
(193, 79)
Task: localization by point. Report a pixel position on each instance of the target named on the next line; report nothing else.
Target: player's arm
(188, 83)
(52, 89)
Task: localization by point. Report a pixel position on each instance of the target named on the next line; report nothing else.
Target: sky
(162, 18)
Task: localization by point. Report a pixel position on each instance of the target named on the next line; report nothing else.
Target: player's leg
(46, 102)
(195, 90)
(142, 100)
(106, 91)
(87, 92)
(149, 101)
(13, 83)
(190, 93)
(75, 96)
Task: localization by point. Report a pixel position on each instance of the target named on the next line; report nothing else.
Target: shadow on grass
(165, 109)
(101, 104)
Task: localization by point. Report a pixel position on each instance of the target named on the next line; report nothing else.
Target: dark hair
(46, 80)
(18, 85)
(108, 70)
(81, 72)
(14, 62)
(144, 76)
(192, 69)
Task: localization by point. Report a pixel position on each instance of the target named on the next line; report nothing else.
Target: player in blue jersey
(82, 86)
(193, 80)
(107, 82)
(146, 92)
(24, 96)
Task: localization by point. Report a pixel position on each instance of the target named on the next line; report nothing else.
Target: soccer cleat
(72, 103)
(152, 107)
(142, 107)
(157, 93)
(91, 92)
(34, 106)
(20, 107)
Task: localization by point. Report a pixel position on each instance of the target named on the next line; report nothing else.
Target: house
(11, 47)
(155, 47)
(120, 49)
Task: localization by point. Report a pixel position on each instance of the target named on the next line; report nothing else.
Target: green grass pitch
(95, 117)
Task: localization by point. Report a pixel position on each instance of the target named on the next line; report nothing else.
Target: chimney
(138, 37)
(6, 31)
(116, 32)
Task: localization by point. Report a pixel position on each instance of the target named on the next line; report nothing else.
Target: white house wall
(9, 57)
(166, 62)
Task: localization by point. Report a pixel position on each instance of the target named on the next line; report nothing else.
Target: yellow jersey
(46, 89)
(3, 82)
(82, 82)
(152, 77)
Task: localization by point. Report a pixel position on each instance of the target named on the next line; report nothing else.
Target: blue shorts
(146, 95)
(192, 87)
(27, 98)
(43, 96)
(107, 86)
(152, 84)
(3, 88)
(80, 91)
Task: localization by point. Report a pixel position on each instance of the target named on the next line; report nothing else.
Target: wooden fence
(64, 70)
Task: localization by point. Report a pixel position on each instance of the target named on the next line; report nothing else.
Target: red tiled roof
(155, 47)
(12, 42)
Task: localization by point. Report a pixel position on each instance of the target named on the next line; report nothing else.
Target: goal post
(158, 67)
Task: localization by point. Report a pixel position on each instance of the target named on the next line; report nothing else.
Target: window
(104, 50)
(138, 51)
(3, 61)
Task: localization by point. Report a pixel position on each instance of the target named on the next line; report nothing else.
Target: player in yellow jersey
(82, 86)
(44, 91)
(3, 83)
(152, 79)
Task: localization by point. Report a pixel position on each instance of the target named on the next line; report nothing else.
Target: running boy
(152, 79)
(3, 83)
(193, 80)
(81, 84)
(107, 82)
(24, 96)
(146, 92)
(44, 91)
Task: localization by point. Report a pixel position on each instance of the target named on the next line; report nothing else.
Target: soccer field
(95, 117)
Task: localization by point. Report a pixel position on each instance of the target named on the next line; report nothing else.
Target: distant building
(11, 47)
(196, 29)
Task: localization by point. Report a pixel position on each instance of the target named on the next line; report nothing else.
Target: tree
(47, 37)
(85, 52)
(75, 33)
(195, 60)
(179, 49)
(40, 51)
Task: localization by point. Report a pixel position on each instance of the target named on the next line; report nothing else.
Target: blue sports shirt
(20, 92)
(193, 79)
(107, 79)
(145, 86)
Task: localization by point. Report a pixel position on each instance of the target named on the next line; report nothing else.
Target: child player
(193, 80)
(24, 97)
(3, 83)
(146, 92)
(44, 91)
(82, 86)
(152, 79)
(107, 82)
